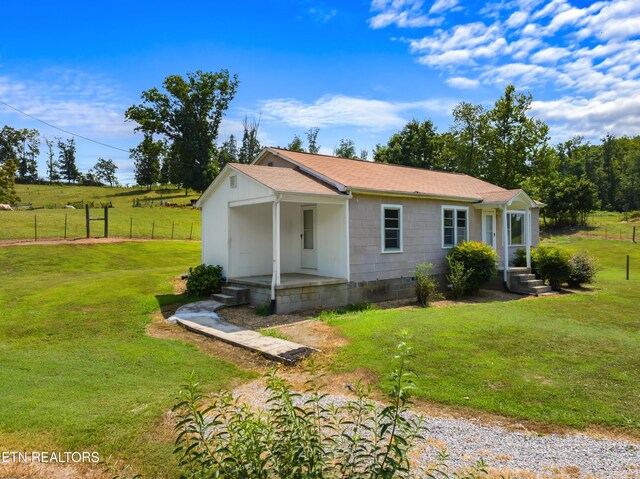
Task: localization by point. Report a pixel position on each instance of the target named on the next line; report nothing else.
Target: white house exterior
(306, 230)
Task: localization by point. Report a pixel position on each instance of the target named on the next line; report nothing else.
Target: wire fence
(132, 223)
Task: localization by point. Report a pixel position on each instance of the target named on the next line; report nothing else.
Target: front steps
(521, 280)
(232, 295)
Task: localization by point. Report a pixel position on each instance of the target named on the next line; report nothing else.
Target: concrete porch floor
(287, 280)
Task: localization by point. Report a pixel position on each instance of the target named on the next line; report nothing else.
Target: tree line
(19, 151)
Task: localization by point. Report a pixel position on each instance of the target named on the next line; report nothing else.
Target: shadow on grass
(168, 303)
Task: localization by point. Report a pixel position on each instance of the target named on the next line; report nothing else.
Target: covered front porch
(290, 250)
(507, 224)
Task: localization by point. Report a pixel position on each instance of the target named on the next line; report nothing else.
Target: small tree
(67, 160)
(346, 149)
(52, 165)
(250, 143)
(105, 171)
(147, 157)
(312, 137)
(296, 144)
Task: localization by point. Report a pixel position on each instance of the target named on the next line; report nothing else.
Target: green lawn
(77, 371)
(602, 225)
(569, 360)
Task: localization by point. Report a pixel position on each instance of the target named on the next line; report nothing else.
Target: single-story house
(307, 230)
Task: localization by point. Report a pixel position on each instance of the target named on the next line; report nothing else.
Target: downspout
(275, 215)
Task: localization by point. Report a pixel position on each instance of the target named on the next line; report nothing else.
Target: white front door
(309, 238)
(489, 228)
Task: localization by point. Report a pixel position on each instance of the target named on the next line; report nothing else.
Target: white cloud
(402, 13)
(442, 6)
(341, 110)
(585, 55)
(549, 55)
(68, 99)
(462, 83)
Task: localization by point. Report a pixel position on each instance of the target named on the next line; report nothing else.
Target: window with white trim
(391, 228)
(515, 228)
(455, 225)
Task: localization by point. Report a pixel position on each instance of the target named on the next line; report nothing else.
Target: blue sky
(356, 69)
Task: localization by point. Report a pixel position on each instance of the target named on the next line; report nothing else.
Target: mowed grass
(77, 370)
(566, 360)
(608, 225)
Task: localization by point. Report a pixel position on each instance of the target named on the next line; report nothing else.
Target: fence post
(605, 232)
(130, 227)
(106, 221)
(627, 267)
(65, 225)
(153, 228)
(191, 234)
(88, 218)
(173, 225)
(35, 227)
(634, 234)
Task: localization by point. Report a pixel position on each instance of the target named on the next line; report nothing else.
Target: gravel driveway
(548, 456)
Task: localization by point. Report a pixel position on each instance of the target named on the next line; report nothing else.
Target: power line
(62, 129)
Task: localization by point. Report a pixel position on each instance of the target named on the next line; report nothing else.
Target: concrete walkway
(200, 317)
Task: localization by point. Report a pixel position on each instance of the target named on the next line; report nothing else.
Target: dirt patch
(29, 470)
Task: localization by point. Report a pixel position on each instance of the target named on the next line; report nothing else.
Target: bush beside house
(479, 261)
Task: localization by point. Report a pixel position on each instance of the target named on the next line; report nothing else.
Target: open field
(603, 225)
(568, 360)
(125, 221)
(51, 196)
(77, 370)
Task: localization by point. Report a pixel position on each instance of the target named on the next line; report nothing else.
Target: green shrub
(552, 265)
(204, 280)
(458, 277)
(582, 269)
(426, 284)
(520, 259)
(477, 257)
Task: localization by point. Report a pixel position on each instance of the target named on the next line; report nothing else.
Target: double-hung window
(391, 228)
(515, 228)
(455, 225)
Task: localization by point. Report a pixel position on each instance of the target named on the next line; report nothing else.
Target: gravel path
(466, 440)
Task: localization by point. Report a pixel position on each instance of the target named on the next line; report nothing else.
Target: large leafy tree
(417, 144)
(513, 141)
(147, 157)
(188, 115)
(22, 146)
(346, 149)
(8, 194)
(465, 140)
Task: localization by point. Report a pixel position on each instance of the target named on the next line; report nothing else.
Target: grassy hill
(152, 218)
(51, 196)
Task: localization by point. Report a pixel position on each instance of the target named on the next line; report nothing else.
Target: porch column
(505, 243)
(527, 229)
(275, 230)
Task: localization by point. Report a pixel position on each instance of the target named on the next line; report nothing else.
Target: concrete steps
(522, 281)
(232, 295)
